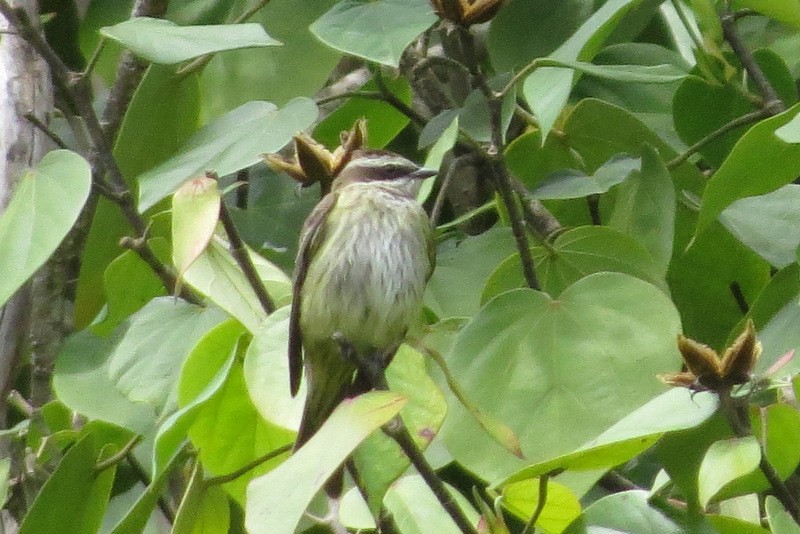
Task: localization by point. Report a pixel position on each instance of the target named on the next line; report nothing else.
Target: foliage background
(612, 173)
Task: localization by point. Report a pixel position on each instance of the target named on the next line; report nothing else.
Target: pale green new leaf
(276, 501)
(724, 462)
(46, 203)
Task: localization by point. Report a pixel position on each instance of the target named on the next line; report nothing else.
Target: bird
(365, 255)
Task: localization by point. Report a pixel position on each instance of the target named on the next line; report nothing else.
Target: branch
(130, 71)
(540, 503)
(122, 454)
(754, 116)
(77, 94)
(230, 477)
(494, 154)
(772, 102)
(242, 257)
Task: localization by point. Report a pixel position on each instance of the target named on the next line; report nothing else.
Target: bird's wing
(310, 238)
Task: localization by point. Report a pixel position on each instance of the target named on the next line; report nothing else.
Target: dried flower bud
(466, 12)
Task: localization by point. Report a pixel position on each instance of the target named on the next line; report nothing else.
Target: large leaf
(266, 373)
(276, 501)
(724, 462)
(146, 361)
(560, 508)
(46, 203)
(81, 381)
(774, 162)
(786, 11)
(239, 76)
(677, 409)
(376, 31)
(575, 184)
(414, 506)
(233, 142)
(574, 254)
(162, 41)
(779, 519)
(547, 89)
(607, 333)
(628, 511)
(73, 491)
(645, 208)
(768, 224)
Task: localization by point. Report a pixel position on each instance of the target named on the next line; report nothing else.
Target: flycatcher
(366, 253)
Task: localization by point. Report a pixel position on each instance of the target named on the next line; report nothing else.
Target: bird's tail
(329, 378)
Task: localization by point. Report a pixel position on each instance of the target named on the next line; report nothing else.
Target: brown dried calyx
(313, 162)
(466, 12)
(706, 370)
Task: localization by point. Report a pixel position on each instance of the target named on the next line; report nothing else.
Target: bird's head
(384, 167)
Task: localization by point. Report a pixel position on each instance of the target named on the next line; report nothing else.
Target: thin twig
(527, 69)
(540, 504)
(698, 42)
(33, 119)
(772, 101)
(144, 478)
(440, 197)
(748, 118)
(494, 154)
(368, 95)
(395, 102)
(230, 477)
(242, 257)
(119, 456)
(95, 57)
(199, 63)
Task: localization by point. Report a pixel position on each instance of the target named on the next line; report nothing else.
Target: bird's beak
(421, 174)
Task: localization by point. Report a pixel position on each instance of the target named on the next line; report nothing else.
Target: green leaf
(414, 506)
(5, 470)
(626, 511)
(174, 430)
(266, 373)
(135, 520)
(575, 184)
(73, 491)
(524, 30)
(147, 359)
(81, 381)
(785, 11)
(724, 462)
(532, 161)
(216, 275)
(230, 143)
(204, 509)
(461, 271)
(606, 333)
(779, 519)
(560, 509)
(664, 73)
(676, 409)
(547, 89)
(239, 76)
(376, 31)
(778, 164)
(573, 255)
(767, 224)
(195, 213)
(129, 284)
(276, 501)
(701, 106)
(384, 121)
(645, 208)
(163, 41)
(228, 415)
(46, 203)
